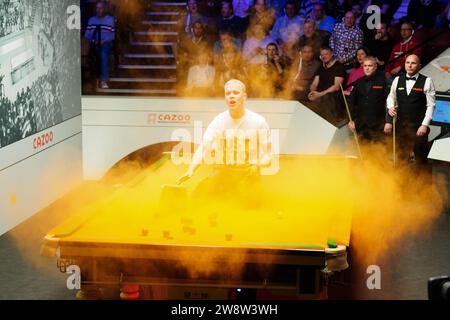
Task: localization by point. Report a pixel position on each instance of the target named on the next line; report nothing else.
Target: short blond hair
(236, 81)
(370, 58)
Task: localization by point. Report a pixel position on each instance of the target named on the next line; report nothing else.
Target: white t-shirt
(201, 76)
(241, 141)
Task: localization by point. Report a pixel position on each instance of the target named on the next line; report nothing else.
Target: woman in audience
(357, 72)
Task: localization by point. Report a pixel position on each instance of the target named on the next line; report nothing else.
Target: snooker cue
(350, 119)
(394, 120)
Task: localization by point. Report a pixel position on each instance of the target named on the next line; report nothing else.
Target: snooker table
(280, 239)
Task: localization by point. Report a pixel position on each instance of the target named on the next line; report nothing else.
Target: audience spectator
(229, 22)
(288, 29)
(192, 15)
(313, 37)
(191, 45)
(273, 70)
(200, 80)
(380, 44)
(400, 10)
(325, 95)
(306, 7)
(387, 8)
(304, 70)
(346, 39)
(277, 6)
(229, 67)
(254, 47)
(443, 19)
(226, 42)
(340, 8)
(357, 10)
(262, 15)
(407, 42)
(322, 21)
(210, 9)
(242, 9)
(102, 26)
(358, 71)
(422, 13)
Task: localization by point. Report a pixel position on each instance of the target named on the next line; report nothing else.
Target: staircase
(147, 64)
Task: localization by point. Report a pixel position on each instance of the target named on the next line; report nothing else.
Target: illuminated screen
(442, 111)
(39, 61)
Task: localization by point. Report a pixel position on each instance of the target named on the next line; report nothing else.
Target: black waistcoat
(412, 107)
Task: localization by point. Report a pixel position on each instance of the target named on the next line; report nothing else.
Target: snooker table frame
(297, 273)
(303, 272)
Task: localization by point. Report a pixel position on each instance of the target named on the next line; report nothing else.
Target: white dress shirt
(428, 90)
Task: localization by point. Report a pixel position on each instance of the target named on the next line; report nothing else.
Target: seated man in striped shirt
(101, 32)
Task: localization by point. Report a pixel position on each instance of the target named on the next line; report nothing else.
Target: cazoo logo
(155, 118)
(43, 140)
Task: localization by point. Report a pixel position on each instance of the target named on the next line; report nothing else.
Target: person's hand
(351, 125)
(276, 58)
(422, 131)
(392, 111)
(388, 128)
(295, 87)
(184, 177)
(314, 95)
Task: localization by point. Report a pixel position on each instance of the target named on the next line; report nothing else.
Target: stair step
(146, 67)
(156, 33)
(159, 22)
(153, 43)
(148, 55)
(145, 73)
(169, 4)
(163, 13)
(139, 91)
(151, 80)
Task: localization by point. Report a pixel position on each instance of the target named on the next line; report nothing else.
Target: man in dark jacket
(367, 102)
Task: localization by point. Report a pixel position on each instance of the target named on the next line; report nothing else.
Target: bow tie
(412, 78)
